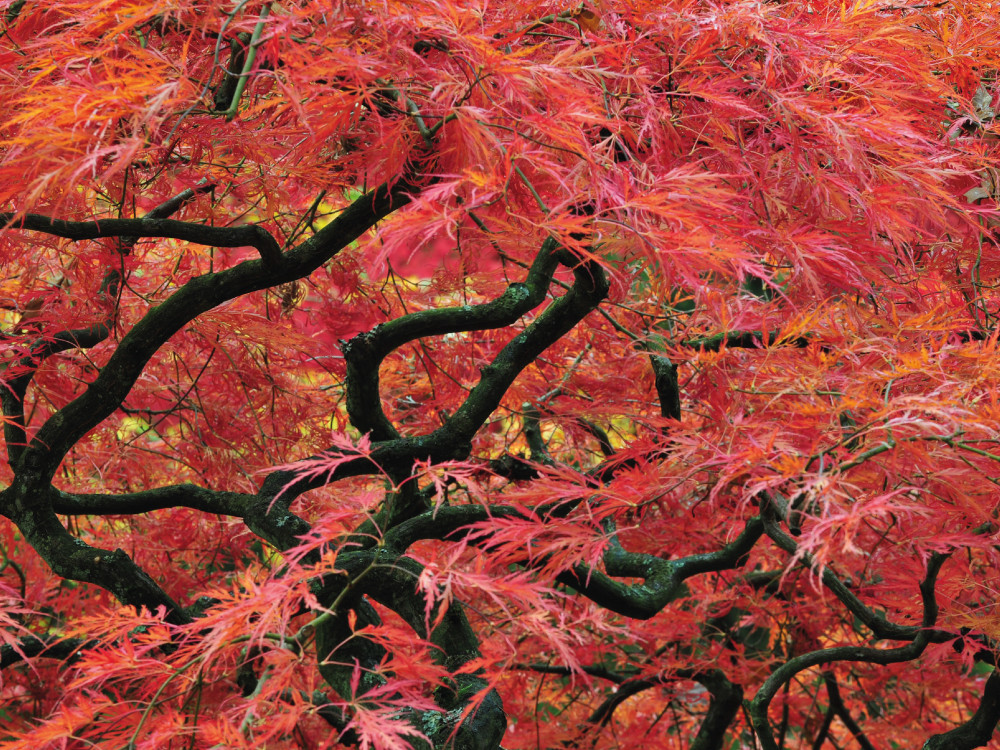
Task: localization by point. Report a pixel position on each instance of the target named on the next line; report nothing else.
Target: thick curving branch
(24, 369)
(73, 559)
(146, 501)
(29, 501)
(365, 352)
(453, 440)
(250, 235)
(272, 520)
(200, 294)
(589, 288)
(663, 580)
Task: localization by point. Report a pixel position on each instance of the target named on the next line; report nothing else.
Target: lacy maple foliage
(431, 373)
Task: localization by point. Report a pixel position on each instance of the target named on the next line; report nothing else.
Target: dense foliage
(443, 372)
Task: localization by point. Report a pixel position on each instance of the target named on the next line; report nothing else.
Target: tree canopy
(436, 373)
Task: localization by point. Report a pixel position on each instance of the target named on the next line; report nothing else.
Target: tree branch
(391, 580)
(64, 428)
(365, 352)
(979, 729)
(31, 647)
(73, 559)
(744, 340)
(667, 388)
(146, 501)
(250, 235)
(757, 708)
(727, 697)
(874, 621)
(12, 397)
(453, 440)
(839, 709)
(29, 500)
(663, 580)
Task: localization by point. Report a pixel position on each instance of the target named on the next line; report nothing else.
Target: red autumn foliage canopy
(434, 373)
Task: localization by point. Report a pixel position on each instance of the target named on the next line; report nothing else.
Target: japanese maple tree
(435, 373)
